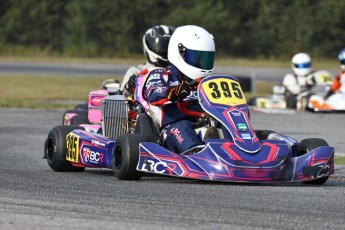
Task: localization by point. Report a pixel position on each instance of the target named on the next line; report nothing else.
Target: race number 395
(224, 91)
(72, 141)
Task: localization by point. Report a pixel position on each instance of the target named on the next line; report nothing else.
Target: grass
(318, 63)
(45, 92)
(63, 92)
(339, 160)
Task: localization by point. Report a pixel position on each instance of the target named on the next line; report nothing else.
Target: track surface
(32, 196)
(84, 70)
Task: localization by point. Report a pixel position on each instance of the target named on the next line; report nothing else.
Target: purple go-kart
(232, 151)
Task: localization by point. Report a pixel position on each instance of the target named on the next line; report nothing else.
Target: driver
(191, 54)
(300, 80)
(339, 80)
(155, 46)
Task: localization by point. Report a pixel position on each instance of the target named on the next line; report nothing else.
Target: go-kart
(310, 99)
(90, 112)
(332, 103)
(232, 151)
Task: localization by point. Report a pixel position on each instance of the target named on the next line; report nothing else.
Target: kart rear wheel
(126, 156)
(263, 134)
(306, 145)
(291, 101)
(55, 149)
(79, 119)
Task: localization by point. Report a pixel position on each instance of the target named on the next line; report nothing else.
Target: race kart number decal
(72, 147)
(224, 91)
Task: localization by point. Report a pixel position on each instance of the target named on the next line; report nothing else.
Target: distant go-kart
(311, 99)
(231, 151)
(318, 102)
(90, 112)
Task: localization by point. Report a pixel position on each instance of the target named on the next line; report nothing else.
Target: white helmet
(191, 50)
(301, 64)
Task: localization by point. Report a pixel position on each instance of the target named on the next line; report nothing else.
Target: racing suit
(295, 85)
(132, 72)
(177, 132)
(338, 83)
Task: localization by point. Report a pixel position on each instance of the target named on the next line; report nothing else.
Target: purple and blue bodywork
(241, 158)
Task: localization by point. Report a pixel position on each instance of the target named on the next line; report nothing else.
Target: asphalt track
(32, 196)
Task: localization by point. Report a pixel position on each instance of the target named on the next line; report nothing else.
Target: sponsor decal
(90, 129)
(174, 83)
(159, 90)
(236, 114)
(324, 172)
(149, 84)
(97, 143)
(193, 95)
(246, 136)
(152, 166)
(176, 132)
(92, 156)
(154, 76)
(241, 126)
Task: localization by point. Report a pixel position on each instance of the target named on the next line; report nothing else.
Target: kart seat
(211, 132)
(146, 128)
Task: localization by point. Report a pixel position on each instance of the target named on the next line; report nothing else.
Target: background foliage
(114, 28)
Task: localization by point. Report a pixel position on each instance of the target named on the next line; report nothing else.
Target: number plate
(224, 91)
(72, 141)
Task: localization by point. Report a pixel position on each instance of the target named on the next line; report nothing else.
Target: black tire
(306, 145)
(126, 156)
(55, 149)
(252, 101)
(78, 112)
(263, 134)
(291, 101)
(81, 107)
(79, 119)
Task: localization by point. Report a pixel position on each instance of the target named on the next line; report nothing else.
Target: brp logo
(86, 153)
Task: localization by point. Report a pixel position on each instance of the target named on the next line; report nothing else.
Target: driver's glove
(178, 93)
(130, 86)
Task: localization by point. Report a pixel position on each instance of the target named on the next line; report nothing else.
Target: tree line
(114, 28)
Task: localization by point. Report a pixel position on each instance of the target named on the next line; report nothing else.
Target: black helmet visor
(199, 59)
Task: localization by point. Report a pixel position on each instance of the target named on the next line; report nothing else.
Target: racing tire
(263, 134)
(306, 145)
(291, 101)
(79, 119)
(78, 112)
(56, 150)
(125, 157)
(252, 101)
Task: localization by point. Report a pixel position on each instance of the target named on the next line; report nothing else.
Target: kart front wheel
(56, 150)
(306, 145)
(126, 156)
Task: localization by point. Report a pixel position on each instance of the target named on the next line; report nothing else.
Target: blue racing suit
(177, 130)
